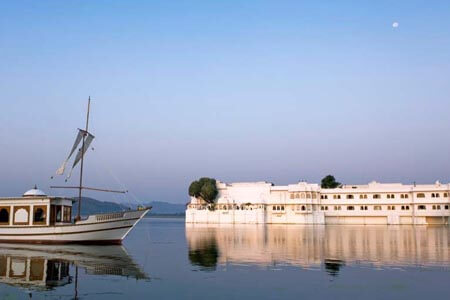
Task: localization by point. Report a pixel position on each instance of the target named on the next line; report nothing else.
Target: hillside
(165, 208)
(91, 206)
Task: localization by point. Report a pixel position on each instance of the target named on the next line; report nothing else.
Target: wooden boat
(38, 218)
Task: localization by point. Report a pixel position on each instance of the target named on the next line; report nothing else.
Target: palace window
(376, 196)
(337, 207)
(297, 196)
(391, 207)
(282, 207)
(445, 194)
(350, 197)
(336, 196)
(377, 207)
(292, 196)
(313, 195)
(404, 196)
(350, 207)
(323, 196)
(303, 196)
(363, 196)
(446, 207)
(303, 207)
(390, 196)
(421, 207)
(274, 207)
(363, 207)
(420, 195)
(308, 195)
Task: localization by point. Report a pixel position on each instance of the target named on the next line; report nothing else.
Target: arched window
(350, 208)
(302, 195)
(420, 195)
(4, 216)
(437, 195)
(421, 207)
(308, 195)
(350, 197)
(297, 196)
(445, 194)
(303, 207)
(432, 195)
(291, 196)
(313, 195)
(376, 196)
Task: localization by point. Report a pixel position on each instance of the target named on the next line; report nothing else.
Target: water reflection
(327, 247)
(39, 267)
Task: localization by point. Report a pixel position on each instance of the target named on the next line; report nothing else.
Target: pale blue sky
(236, 90)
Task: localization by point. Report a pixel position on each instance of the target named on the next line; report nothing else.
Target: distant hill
(90, 206)
(165, 208)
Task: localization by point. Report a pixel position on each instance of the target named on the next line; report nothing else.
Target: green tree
(329, 182)
(194, 189)
(204, 188)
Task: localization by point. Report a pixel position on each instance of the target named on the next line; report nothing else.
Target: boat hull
(97, 229)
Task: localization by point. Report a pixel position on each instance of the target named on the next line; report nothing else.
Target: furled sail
(61, 169)
(81, 152)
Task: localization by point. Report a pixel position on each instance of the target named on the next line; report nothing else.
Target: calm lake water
(164, 259)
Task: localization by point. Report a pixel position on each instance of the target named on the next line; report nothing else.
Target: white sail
(81, 153)
(61, 169)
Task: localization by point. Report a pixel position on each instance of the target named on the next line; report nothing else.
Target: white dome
(35, 192)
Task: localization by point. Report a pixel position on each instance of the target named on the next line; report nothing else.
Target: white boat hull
(97, 229)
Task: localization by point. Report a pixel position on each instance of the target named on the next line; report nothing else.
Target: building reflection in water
(328, 247)
(39, 267)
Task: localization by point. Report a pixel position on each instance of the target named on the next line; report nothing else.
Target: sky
(276, 91)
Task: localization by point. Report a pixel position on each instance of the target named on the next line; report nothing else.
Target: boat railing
(110, 216)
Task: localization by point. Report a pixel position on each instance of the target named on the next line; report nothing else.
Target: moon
(395, 24)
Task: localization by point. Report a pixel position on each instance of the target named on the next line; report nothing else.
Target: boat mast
(80, 188)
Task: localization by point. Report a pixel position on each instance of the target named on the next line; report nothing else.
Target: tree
(329, 182)
(194, 189)
(204, 188)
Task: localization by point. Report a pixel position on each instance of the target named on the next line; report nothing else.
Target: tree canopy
(329, 182)
(204, 188)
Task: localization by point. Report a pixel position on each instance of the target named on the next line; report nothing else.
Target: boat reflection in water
(328, 247)
(40, 267)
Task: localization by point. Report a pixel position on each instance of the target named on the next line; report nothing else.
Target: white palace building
(306, 203)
